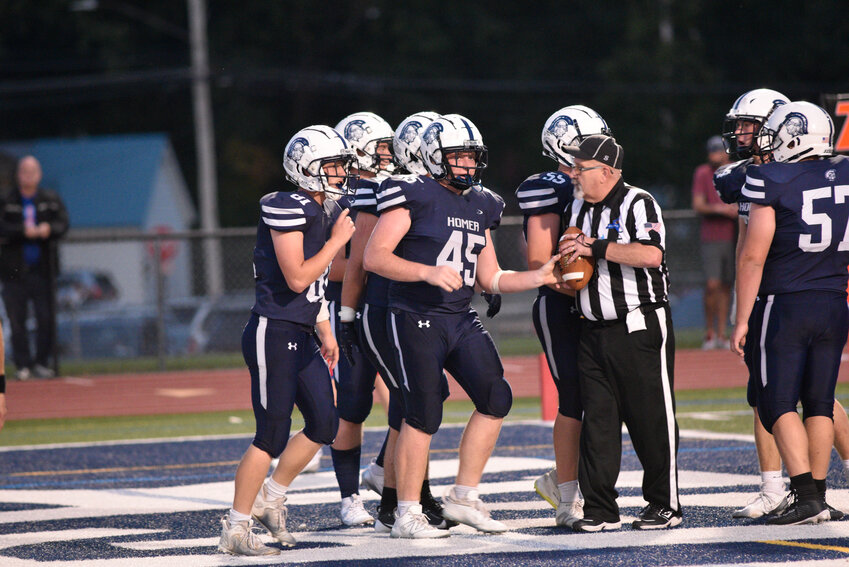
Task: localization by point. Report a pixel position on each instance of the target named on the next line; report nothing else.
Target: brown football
(576, 274)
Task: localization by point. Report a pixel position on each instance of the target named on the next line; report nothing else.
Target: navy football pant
(628, 377)
(796, 343)
(458, 343)
(377, 346)
(286, 368)
(354, 383)
(558, 327)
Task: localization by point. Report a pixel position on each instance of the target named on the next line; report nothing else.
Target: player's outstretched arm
(750, 268)
(493, 279)
(543, 232)
(380, 256)
(289, 249)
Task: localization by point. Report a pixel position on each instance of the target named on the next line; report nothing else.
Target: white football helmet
(443, 139)
(309, 150)
(753, 106)
(567, 127)
(365, 131)
(407, 142)
(795, 131)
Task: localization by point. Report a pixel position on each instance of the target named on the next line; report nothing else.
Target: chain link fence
(127, 295)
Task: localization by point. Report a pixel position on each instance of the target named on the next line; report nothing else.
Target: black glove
(349, 340)
(494, 301)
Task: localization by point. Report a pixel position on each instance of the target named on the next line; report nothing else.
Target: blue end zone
(101, 496)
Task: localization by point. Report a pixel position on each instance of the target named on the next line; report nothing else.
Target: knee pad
(429, 424)
(274, 437)
(322, 431)
(354, 401)
(498, 401)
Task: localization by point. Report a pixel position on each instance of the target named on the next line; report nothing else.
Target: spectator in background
(717, 239)
(32, 219)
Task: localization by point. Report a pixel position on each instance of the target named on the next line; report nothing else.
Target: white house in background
(114, 184)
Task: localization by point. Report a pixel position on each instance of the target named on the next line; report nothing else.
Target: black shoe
(433, 510)
(834, 512)
(801, 512)
(594, 525)
(385, 519)
(655, 517)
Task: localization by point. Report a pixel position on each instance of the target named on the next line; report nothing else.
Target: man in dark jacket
(32, 219)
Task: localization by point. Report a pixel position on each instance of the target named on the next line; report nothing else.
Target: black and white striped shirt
(627, 214)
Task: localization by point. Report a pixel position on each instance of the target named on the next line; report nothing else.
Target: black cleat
(801, 512)
(433, 510)
(594, 525)
(834, 512)
(656, 517)
(385, 519)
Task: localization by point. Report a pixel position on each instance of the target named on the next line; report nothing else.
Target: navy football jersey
(728, 181)
(365, 200)
(288, 212)
(541, 193)
(446, 229)
(810, 249)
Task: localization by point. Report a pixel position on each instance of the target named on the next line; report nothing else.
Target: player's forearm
(387, 264)
(749, 274)
(353, 282)
(313, 267)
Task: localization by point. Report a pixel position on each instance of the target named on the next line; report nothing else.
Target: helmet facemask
(733, 128)
(334, 174)
(472, 175)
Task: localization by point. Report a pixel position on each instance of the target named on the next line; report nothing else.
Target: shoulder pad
(287, 210)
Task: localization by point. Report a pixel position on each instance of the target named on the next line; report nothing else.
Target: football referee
(627, 348)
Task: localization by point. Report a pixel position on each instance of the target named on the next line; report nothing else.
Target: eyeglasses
(578, 169)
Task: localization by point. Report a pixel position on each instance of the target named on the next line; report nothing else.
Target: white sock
(568, 491)
(404, 505)
(772, 481)
(274, 490)
(462, 492)
(238, 516)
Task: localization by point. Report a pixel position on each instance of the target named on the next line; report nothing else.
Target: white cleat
(569, 512)
(470, 511)
(546, 487)
(373, 478)
(238, 538)
(271, 514)
(414, 525)
(764, 504)
(353, 513)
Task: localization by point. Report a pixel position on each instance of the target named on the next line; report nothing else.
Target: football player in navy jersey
(742, 124)
(791, 288)
(433, 241)
(287, 366)
(542, 198)
(371, 137)
(740, 129)
(365, 299)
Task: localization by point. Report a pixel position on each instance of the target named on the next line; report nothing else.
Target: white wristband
(496, 278)
(347, 314)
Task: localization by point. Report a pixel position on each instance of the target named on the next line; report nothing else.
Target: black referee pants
(628, 377)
